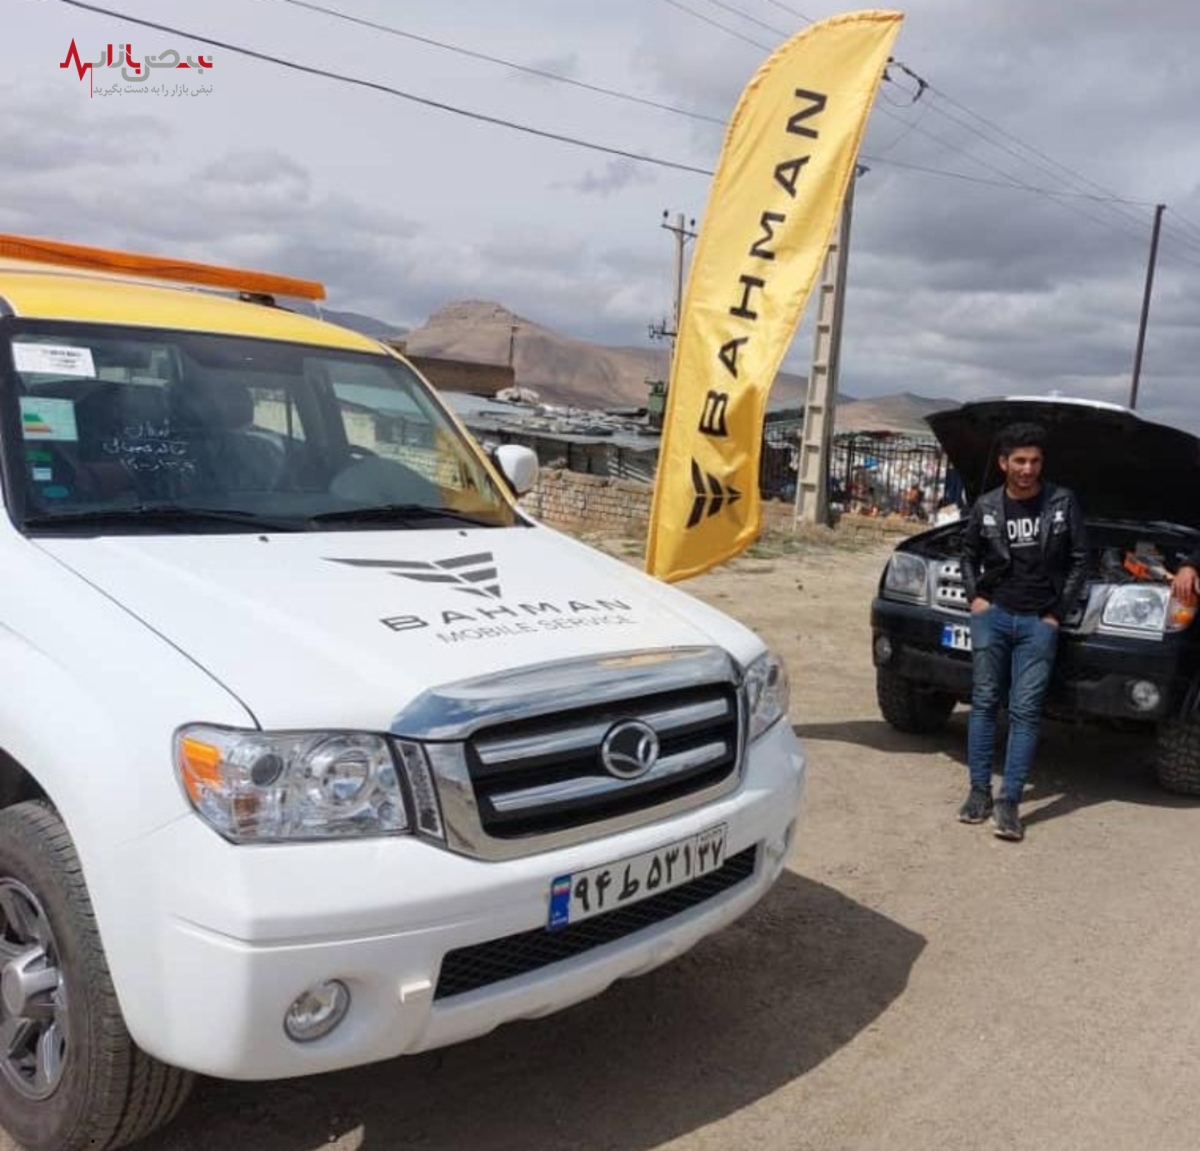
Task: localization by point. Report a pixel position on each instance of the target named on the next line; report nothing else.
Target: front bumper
(1093, 676)
(224, 938)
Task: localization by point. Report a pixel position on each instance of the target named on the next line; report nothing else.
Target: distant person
(1024, 564)
(952, 490)
(914, 502)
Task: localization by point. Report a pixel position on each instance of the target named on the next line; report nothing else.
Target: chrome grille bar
(603, 786)
(575, 739)
(517, 757)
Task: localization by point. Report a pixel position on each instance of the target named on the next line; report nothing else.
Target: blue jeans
(1012, 655)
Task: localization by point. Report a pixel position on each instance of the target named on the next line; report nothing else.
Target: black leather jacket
(986, 555)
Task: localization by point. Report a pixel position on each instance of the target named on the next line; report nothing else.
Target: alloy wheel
(34, 1026)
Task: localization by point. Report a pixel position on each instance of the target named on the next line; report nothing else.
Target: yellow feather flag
(789, 152)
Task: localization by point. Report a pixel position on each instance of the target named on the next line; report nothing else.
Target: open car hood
(1121, 466)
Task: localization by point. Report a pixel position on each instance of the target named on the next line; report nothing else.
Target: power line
(792, 11)
(1109, 201)
(901, 134)
(1182, 221)
(540, 73)
(1008, 180)
(913, 97)
(1059, 198)
(372, 85)
(1185, 239)
(1013, 179)
(617, 94)
(1169, 254)
(1107, 197)
(1017, 140)
(717, 24)
(734, 10)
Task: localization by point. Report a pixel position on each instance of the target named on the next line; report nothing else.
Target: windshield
(145, 430)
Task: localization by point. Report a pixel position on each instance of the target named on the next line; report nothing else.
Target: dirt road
(910, 984)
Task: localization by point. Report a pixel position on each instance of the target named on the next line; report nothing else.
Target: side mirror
(518, 465)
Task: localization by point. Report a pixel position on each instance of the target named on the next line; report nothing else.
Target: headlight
(1146, 607)
(906, 577)
(272, 786)
(767, 693)
(1141, 607)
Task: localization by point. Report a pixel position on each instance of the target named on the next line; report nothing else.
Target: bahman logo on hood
(491, 619)
(474, 574)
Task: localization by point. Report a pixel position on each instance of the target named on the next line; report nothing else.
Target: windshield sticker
(54, 360)
(48, 418)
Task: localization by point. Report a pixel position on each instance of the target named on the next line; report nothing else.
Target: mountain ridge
(561, 369)
(572, 372)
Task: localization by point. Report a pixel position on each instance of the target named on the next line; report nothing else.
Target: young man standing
(1024, 565)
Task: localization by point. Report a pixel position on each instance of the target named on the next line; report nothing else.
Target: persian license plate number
(957, 636)
(574, 898)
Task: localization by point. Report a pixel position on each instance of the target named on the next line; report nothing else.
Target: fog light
(777, 849)
(1145, 695)
(883, 649)
(317, 1011)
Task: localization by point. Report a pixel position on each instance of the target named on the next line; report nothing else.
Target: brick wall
(572, 500)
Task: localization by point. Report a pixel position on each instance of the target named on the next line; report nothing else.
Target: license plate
(574, 898)
(957, 636)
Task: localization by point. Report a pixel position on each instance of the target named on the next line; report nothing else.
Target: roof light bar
(42, 251)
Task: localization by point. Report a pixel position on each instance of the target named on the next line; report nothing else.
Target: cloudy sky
(1001, 234)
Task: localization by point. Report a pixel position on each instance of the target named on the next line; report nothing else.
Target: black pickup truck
(1127, 651)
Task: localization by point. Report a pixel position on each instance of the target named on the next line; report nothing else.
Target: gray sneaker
(1008, 824)
(976, 807)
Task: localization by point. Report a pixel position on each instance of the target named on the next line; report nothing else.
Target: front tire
(909, 707)
(70, 1075)
(1177, 756)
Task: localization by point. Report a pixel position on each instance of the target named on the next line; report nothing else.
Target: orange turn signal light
(1182, 615)
(200, 767)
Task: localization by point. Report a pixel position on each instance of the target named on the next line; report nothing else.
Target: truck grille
(950, 594)
(948, 590)
(555, 754)
(546, 774)
(469, 968)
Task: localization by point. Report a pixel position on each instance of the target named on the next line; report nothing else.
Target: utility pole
(683, 233)
(816, 445)
(656, 405)
(1141, 340)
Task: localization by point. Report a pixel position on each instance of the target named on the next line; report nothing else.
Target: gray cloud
(956, 288)
(617, 175)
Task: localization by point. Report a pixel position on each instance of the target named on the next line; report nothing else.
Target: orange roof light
(156, 267)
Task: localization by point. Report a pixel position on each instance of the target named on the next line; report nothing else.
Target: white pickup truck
(314, 748)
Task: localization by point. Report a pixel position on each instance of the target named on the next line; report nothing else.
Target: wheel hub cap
(33, 1002)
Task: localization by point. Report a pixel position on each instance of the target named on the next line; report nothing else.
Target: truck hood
(344, 629)
(1121, 466)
